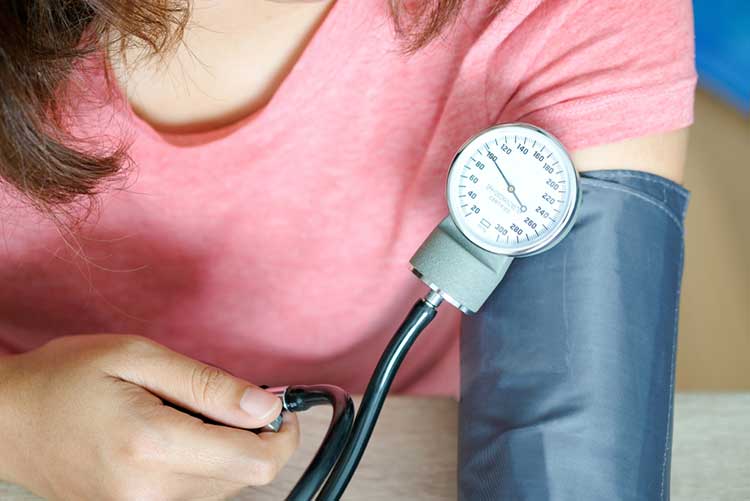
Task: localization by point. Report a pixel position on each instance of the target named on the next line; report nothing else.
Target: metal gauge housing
(513, 190)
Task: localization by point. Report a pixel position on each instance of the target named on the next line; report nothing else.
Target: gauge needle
(511, 188)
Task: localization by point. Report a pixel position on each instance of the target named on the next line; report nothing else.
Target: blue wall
(722, 49)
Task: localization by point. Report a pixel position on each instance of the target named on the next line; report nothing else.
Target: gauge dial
(513, 189)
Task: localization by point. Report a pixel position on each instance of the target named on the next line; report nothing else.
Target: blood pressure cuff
(567, 371)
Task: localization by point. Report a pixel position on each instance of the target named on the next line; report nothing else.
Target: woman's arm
(567, 371)
(662, 154)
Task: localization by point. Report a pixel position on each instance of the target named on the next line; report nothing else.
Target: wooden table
(412, 455)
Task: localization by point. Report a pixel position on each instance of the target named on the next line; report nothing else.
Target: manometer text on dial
(512, 188)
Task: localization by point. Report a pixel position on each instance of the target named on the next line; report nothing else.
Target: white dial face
(512, 189)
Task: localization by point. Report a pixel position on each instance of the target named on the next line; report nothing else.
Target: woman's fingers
(98, 418)
(188, 446)
(196, 386)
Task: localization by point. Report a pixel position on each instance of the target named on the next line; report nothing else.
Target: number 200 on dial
(512, 189)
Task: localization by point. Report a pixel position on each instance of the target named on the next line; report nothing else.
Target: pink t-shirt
(278, 247)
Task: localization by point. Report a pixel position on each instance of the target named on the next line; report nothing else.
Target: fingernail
(258, 403)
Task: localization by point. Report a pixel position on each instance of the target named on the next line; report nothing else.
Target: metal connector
(275, 425)
(434, 298)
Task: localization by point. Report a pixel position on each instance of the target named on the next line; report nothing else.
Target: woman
(284, 160)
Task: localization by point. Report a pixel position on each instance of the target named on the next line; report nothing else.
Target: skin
(234, 56)
(662, 154)
(88, 423)
(99, 398)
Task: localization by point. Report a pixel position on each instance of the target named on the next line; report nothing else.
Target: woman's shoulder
(592, 71)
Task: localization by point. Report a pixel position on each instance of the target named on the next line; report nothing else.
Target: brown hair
(43, 42)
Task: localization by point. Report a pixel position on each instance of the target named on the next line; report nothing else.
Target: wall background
(714, 342)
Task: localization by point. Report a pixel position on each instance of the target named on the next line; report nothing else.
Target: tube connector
(459, 271)
(433, 298)
(275, 425)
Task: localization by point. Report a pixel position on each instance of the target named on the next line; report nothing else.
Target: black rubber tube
(372, 402)
(300, 398)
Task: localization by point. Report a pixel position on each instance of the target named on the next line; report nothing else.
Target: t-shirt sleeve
(597, 71)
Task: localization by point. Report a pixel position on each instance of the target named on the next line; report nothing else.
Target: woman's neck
(233, 56)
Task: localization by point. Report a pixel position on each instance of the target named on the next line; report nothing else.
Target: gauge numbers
(512, 189)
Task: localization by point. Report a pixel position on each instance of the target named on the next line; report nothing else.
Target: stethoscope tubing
(344, 444)
(300, 398)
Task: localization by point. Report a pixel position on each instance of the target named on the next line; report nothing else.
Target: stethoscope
(512, 192)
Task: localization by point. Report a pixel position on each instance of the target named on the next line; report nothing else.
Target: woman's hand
(82, 418)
